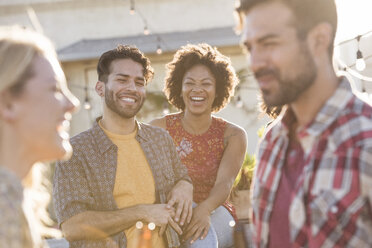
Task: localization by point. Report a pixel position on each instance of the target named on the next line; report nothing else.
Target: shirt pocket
(334, 213)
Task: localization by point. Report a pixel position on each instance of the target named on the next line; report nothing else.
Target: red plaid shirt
(332, 203)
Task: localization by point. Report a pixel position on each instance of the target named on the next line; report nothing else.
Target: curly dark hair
(191, 55)
(123, 52)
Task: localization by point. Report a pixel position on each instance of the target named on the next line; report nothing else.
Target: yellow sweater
(134, 182)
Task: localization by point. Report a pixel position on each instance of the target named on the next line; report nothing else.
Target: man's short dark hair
(191, 55)
(307, 14)
(123, 52)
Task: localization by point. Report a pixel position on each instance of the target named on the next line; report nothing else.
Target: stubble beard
(118, 109)
(291, 88)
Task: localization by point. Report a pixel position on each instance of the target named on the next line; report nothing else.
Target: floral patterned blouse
(201, 153)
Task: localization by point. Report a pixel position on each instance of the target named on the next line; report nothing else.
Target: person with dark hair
(35, 110)
(122, 171)
(313, 178)
(200, 80)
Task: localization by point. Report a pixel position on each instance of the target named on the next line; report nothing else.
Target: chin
(62, 151)
(199, 111)
(67, 150)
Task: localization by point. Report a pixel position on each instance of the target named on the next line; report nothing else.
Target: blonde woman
(35, 109)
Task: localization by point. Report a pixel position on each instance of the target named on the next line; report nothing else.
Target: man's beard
(114, 106)
(290, 88)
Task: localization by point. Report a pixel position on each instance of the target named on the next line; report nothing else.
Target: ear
(320, 38)
(100, 88)
(7, 108)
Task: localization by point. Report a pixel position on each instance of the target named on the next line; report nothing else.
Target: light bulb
(87, 105)
(132, 10)
(151, 226)
(166, 111)
(239, 103)
(360, 64)
(232, 223)
(139, 225)
(159, 51)
(146, 31)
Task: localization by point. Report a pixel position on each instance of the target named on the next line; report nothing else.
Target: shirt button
(334, 209)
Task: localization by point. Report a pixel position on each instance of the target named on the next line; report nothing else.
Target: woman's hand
(199, 225)
(181, 199)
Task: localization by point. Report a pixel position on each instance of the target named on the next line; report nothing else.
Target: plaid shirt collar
(328, 113)
(104, 143)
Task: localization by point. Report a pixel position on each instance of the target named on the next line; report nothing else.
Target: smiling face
(198, 90)
(43, 111)
(281, 62)
(125, 90)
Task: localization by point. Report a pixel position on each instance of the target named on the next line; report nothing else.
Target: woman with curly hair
(200, 81)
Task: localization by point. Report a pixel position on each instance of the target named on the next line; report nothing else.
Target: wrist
(204, 205)
(185, 182)
(143, 213)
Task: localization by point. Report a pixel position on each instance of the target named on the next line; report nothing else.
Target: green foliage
(261, 131)
(245, 175)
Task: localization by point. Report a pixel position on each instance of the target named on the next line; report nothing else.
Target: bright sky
(354, 18)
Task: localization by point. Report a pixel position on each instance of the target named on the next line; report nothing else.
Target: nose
(71, 103)
(131, 85)
(197, 88)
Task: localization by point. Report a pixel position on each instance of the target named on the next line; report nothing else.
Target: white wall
(66, 22)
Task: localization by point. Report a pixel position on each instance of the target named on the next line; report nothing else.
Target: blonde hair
(18, 47)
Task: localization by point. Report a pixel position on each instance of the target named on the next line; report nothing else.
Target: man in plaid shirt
(314, 173)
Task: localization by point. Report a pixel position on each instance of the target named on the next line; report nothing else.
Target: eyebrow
(267, 37)
(263, 38)
(127, 76)
(207, 78)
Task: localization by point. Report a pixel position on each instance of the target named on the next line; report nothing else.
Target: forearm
(218, 195)
(101, 224)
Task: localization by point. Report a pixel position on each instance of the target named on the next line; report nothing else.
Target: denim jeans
(220, 233)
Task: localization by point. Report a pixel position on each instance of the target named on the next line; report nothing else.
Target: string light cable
(147, 28)
(360, 63)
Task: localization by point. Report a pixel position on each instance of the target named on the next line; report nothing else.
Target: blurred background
(83, 29)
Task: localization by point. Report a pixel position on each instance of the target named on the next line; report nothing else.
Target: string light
(146, 30)
(87, 105)
(165, 108)
(239, 103)
(158, 49)
(360, 63)
(151, 226)
(139, 225)
(132, 10)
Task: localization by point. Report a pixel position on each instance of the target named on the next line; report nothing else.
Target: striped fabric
(331, 206)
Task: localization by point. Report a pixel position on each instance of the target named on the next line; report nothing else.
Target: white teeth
(126, 99)
(195, 98)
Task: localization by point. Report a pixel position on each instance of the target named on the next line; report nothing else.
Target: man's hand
(181, 198)
(199, 225)
(161, 215)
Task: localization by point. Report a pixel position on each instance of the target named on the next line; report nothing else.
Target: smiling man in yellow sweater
(122, 171)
